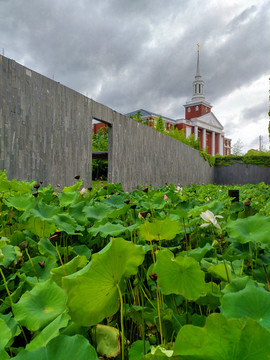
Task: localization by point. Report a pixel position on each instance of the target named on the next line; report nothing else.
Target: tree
(237, 148)
(160, 124)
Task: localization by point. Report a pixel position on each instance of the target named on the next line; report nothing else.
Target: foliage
(99, 144)
(262, 160)
(103, 271)
(159, 126)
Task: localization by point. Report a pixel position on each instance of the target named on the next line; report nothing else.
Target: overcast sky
(132, 54)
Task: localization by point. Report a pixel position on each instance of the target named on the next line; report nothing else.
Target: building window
(197, 108)
(188, 109)
(205, 109)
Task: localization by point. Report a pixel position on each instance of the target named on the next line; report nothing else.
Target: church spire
(198, 84)
(198, 60)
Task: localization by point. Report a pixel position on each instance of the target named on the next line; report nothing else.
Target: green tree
(160, 124)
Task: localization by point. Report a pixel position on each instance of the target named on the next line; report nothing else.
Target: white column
(204, 139)
(196, 132)
(213, 143)
(220, 145)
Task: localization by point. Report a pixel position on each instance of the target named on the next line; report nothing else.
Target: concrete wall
(241, 174)
(45, 128)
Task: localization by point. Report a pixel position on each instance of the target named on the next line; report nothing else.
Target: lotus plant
(210, 218)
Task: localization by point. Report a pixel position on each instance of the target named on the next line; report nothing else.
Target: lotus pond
(173, 272)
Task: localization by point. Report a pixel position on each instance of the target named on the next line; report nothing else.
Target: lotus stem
(122, 321)
(31, 262)
(6, 286)
(185, 235)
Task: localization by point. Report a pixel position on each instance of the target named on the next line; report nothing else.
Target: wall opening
(100, 150)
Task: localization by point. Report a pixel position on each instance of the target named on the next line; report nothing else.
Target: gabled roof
(148, 113)
(208, 119)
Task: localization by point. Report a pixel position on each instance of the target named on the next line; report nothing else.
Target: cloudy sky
(132, 54)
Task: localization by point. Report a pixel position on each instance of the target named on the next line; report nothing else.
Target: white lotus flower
(210, 218)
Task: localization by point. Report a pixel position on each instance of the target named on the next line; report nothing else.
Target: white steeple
(198, 83)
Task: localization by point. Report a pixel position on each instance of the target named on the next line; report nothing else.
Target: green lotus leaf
(40, 227)
(223, 339)
(210, 296)
(42, 271)
(252, 302)
(8, 255)
(44, 212)
(65, 222)
(108, 341)
(49, 332)
(76, 211)
(221, 271)
(199, 253)
(72, 188)
(237, 284)
(180, 275)
(68, 198)
(138, 349)
(60, 348)
(46, 248)
(5, 334)
(71, 267)
(23, 202)
(116, 200)
(4, 355)
(99, 211)
(109, 229)
(159, 230)
(253, 228)
(82, 250)
(11, 323)
(93, 294)
(38, 307)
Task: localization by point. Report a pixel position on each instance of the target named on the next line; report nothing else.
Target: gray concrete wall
(45, 127)
(241, 174)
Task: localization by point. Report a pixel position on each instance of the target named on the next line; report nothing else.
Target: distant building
(199, 120)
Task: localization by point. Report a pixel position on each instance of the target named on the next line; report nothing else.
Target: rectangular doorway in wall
(100, 150)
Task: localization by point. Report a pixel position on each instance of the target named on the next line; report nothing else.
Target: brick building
(199, 120)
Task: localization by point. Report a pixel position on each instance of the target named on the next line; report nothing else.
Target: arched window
(188, 109)
(197, 108)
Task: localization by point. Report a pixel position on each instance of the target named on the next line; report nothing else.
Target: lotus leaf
(98, 211)
(38, 307)
(61, 348)
(221, 271)
(252, 302)
(5, 334)
(109, 229)
(49, 332)
(43, 272)
(8, 255)
(159, 230)
(180, 275)
(199, 253)
(108, 341)
(68, 198)
(69, 268)
(23, 202)
(223, 339)
(253, 228)
(93, 294)
(45, 247)
(138, 349)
